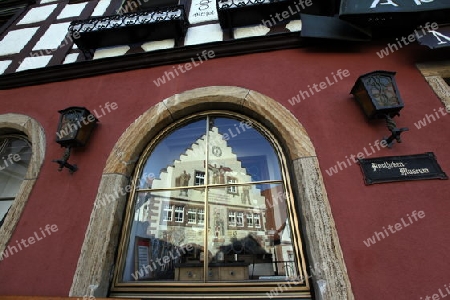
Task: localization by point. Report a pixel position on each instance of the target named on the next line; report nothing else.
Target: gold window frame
(299, 289)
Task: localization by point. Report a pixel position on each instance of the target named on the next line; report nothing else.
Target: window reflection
(15, 155)
(210, 195)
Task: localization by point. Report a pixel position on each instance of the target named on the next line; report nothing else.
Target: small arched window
(15, 155)
(211, 212)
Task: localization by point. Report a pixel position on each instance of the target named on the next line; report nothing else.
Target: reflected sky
(254, 151)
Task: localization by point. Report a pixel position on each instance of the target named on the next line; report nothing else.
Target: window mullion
(7, 198)
(206, 221)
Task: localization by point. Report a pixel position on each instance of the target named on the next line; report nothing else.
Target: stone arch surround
(96, 260)
(36, 136)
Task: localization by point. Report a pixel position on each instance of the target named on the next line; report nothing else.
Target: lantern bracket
(395, 132)
(63, 162)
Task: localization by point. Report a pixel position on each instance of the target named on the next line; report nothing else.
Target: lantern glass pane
(69, 125)
(76, 125)
(365, 101)
(382, 91)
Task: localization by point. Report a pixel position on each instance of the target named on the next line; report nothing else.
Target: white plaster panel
(256, 30)
(15, 40)
(294, 25)
(53, 37)
(203, 34)
(203, 11)
(3, 65)
(70, 58)
(37, 14)
(72, 10)
(156, 45)
(101, 7)
(34, 62)
(110, 52)
(48, 1)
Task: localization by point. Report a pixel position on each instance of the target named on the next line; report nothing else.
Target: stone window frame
(34, 132)
(435, 74)
(97, 257)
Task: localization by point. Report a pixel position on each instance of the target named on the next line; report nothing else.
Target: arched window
(15, 155)
(211, 211)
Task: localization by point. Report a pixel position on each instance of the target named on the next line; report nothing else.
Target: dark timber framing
(135, 61)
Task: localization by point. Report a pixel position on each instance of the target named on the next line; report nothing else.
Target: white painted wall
(157, 45)
(203, 34)
(53, 37)
(101, 7)
(34, 62)
(3, 65)
(70, 58)
(248, 31)
(37, 14)
(15, 40)
(294, 25)
(111, 52)
(72, 10)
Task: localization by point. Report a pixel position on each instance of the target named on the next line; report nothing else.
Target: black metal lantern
(74, 129)
(379, 98)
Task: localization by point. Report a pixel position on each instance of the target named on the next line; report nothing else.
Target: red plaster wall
(406, 265)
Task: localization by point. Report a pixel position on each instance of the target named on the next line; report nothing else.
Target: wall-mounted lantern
(379, 98)
(74, 129)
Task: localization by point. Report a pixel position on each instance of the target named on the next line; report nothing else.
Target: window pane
(239, 151)
(240, 219)
(192, 216)
(178, 160)
(15, 155)
(199, 178)
(4, 206)
(258, 247)
(179, 214)
(162, 237)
